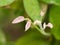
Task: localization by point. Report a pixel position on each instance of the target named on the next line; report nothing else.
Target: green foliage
(55, 2)
(33, 9)
(55, 20)
(5, 2)
(17, 5)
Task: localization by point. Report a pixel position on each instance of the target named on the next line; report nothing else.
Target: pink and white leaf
(28, 25)
(18, 19)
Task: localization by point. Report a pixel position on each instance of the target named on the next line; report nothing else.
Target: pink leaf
(18, 19)
(28, 25)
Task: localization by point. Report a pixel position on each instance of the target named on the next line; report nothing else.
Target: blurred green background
(14, 34)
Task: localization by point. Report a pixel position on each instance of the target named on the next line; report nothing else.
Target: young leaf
(56, 2)
(18, 20)
(5, 2)
(55, 20)
(28, 25)
(33, 9)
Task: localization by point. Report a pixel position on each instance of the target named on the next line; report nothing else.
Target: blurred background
(14, 34)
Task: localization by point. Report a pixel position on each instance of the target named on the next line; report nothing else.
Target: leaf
(5, 2)
(33, 9)
(56, 2)
(28, 25)
(55, 20)
(18, 20)
(32, 38)
(2, 38)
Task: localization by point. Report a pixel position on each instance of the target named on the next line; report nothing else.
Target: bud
(37, 22)
(18, 19)
(44, 25)
(49, 25)
(28, 25)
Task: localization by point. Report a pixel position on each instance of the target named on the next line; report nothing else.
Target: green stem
(42, 31)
